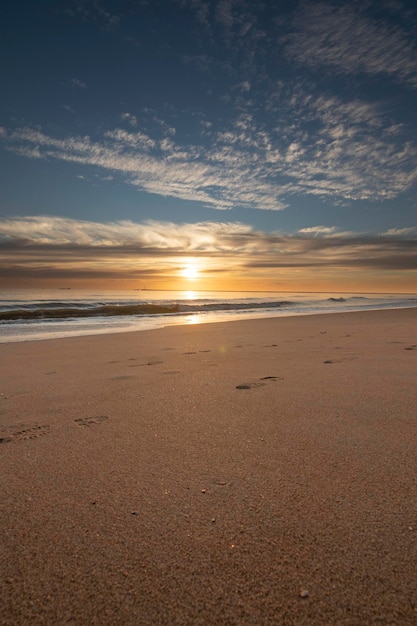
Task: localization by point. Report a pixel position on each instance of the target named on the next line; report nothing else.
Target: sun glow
(190, 271)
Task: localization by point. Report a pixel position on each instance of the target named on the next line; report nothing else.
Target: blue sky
(272, 143)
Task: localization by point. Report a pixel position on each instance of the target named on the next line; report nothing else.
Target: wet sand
(250, 473)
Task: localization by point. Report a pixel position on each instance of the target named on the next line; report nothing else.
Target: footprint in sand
(89, 421)
(272, 378)
(145, 364)
(249, 385)
(253, 385)
(23, 433)
(348, 358)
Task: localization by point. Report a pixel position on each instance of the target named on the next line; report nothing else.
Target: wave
(232, 306)
(58, 310)
(93, 311)
(96, 309)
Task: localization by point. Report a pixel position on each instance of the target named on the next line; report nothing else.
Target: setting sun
(190, 271)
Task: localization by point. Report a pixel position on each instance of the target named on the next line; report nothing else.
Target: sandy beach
(249, 473)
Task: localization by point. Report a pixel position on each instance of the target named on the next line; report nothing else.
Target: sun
(190, 271)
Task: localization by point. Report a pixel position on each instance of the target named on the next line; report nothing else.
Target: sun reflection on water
(193, 319)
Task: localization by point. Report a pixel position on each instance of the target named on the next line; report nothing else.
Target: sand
(255, 472)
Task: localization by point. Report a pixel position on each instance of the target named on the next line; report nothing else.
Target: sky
(209, 144)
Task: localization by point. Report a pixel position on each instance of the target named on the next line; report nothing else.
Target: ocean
(29, 315)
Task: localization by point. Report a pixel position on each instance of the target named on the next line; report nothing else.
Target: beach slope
(253, 472)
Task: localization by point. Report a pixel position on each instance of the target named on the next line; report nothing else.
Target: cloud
(161, 167)
(203, 62)
(151, 235)
(301, 144)
(345, 148)
(345, 41)
(129, 118)
(51, 242)
(76, 82)
(201, 8)
(318, 230)
(244, 86)
(93, 11)
(412, 230)
(224, 13)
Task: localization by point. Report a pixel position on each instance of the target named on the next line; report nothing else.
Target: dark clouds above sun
(264, 136)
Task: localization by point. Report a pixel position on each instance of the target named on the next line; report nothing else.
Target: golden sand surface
(252, 473)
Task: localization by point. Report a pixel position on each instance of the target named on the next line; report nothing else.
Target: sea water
(42, 314)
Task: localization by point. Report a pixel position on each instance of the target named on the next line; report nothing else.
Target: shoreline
(203, 321)
(258, 472)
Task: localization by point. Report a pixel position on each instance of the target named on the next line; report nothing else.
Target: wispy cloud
(76, 82)
(395, 232)
(93, 11)
(344, 40)
(150, 235)
(314, 145)
(201, 9)
(318, 230)
(203, 62)
(132, 120)
(161, 167)
(224, 13)
(345, 149)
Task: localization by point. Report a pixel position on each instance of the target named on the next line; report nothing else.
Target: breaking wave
(61, 310)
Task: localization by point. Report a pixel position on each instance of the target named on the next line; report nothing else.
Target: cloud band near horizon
(50, 246)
